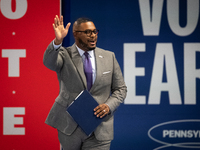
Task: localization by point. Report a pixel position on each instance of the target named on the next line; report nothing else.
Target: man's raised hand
(60, 31)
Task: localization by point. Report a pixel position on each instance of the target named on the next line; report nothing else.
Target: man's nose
(92, 34)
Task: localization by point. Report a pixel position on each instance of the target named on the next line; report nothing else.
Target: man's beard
(83, 44)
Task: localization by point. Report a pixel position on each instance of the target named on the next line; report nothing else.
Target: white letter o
(21, 8)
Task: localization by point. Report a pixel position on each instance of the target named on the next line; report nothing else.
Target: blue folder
(82, 111)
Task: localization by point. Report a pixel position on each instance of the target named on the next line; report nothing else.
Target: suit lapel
(77, 60)
(99, 63)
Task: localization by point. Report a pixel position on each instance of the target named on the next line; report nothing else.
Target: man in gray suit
(108, 87)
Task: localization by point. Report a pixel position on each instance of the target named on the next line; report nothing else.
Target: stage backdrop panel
(28, 88)
(157, 45)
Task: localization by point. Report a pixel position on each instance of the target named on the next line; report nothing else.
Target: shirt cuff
(109, 109)
(56, 46)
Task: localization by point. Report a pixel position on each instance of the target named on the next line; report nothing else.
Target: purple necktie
(88, 70)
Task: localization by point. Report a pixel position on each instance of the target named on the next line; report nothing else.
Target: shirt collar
(81, 52)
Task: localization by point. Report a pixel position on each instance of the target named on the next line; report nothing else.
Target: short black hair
(82, 20)
(78, 22)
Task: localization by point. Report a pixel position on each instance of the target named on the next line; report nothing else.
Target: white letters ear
(190, 72)
(164, 55)
(131, 72)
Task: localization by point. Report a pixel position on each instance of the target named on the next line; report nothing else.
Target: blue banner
(157, 45)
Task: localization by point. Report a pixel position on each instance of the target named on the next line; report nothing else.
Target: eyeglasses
(89, 32)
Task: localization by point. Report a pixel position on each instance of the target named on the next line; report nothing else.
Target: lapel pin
(100, 56)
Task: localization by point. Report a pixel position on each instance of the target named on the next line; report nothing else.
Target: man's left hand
(101, 110)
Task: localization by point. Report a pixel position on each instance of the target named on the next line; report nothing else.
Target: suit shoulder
(103, 51)
(63, 50)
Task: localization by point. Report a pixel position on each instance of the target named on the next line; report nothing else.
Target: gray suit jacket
(109, 86)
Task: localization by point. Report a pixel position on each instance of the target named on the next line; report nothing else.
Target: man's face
(85, 41)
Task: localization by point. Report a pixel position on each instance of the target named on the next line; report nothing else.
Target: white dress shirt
(92, 59)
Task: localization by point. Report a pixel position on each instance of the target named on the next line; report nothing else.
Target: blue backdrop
(157, 44)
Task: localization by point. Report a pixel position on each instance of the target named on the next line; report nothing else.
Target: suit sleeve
(52, 58)
(118, 87)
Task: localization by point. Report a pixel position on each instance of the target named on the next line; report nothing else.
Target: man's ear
(74, 34)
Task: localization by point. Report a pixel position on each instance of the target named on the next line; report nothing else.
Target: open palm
(60, 30)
